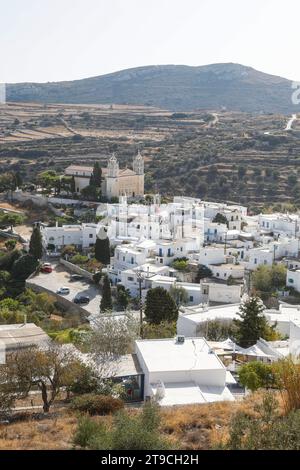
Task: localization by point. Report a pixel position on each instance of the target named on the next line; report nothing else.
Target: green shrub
(97, 404)
(138, 431)
(86, 430)
(267, 431)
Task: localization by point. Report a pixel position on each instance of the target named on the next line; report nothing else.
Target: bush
(255, 375)
(267, 431)
(139, 431)
(86, 430)
(97, 404)
(79, 259)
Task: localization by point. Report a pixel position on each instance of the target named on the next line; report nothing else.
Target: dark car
(81, 299)
(76, 277)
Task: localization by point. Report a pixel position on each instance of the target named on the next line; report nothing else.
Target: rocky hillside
(228, 86)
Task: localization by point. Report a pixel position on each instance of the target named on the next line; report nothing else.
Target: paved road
(61, 278)
(290, 122)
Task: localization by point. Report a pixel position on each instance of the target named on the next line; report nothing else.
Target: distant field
(230, 156)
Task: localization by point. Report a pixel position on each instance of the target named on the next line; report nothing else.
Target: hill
(174, 87)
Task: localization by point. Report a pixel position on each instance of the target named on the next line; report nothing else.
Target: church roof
(89, 169)
(126, 172)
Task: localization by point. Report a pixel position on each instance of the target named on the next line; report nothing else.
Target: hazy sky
(47, 40)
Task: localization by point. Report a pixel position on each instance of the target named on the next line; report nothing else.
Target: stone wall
(76, 269)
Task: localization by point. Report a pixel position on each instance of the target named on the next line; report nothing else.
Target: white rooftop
(188, 393)
(200, 313)
(167, 355)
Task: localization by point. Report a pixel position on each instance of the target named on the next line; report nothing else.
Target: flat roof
(167, 355)
(21, 335)
(200, 314)
(188, 393)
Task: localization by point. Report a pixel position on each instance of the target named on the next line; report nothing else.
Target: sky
(54, 40)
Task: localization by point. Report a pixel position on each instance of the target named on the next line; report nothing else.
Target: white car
(63, 291)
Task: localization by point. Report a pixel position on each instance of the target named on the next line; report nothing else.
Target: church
(115, 181)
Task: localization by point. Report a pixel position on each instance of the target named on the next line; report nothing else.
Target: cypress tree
(35, 244)
(102, 250)
(160, 306)
(106, 300)
(253, 324)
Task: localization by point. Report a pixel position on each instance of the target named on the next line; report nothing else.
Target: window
(291, 281)
(130, 278)
(161, 261)
(191, 298)
(255, 260)
(132, 260)
(123, 258)
(90, 235)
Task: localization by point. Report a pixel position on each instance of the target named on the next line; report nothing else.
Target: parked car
(81, 299)
(63, 291)
(53, 254)
(76, 277)
(46, 268)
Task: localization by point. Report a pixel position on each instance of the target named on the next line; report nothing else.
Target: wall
(76, 269)
(65, 303)
(223, 293)
(23, 196)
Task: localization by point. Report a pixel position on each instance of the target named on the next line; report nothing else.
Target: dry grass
(191, 427)
(199, 427)
(48, 433)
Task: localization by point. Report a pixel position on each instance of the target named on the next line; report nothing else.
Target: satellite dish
(102, 233)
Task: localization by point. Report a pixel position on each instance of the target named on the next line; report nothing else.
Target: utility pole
(140, 280)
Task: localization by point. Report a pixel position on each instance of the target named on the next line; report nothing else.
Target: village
(210, 258)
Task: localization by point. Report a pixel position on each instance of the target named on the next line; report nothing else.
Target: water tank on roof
(179, 339)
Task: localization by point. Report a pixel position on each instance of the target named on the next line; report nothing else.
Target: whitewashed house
(181, 371)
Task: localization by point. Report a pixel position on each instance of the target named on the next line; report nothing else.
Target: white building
(115, 181)
(293, 279)
(81, 236)
(181, 373)
(191, 319)
(287, 224)
(226, 270)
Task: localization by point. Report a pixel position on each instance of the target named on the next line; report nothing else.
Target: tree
(110, 339)
(106, 300)
(102, 250)
(179, 294)
(72, 185)
(90, 193)
(253, 324)
(256, 374)
(24, 266)
(10, 219)
(35, 244)
(11, 244)
(96, 178)
(123, 297)
(47, 369)
(220, 219)
(18, 180)
(216, 330)
(159, 331)
(160, 306)
(203, 272)
(48, 180)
